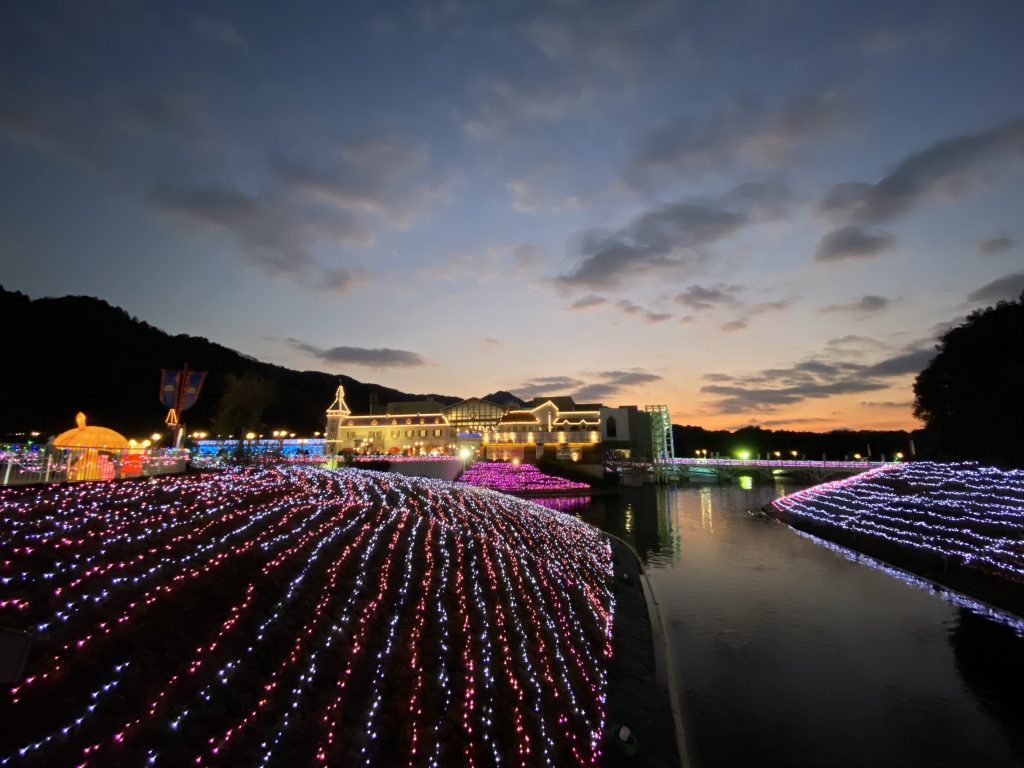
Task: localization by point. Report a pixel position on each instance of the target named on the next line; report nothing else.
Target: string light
(502, 476)
(969, 514)
(295, 615)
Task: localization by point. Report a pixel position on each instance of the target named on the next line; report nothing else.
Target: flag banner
(193, 383)
(169, 387)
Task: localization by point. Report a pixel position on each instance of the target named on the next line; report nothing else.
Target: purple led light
(506, 477)
(966, 513)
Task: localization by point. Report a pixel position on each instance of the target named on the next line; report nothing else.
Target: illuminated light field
(502, 476)
(301, 617)
(970, 515)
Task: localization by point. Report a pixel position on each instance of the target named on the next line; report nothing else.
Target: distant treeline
(809, 445)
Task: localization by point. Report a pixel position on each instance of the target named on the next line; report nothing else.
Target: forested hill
(77, 353)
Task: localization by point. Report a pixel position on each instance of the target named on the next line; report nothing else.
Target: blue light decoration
(302, 616)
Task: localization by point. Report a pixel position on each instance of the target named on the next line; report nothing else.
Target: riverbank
(958, 526)
(638, 680)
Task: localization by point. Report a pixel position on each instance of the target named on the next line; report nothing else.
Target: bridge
(718, 469)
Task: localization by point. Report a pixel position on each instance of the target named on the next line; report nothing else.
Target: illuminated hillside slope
(301, 616)
(957, 524)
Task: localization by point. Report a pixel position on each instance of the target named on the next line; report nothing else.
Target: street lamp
(464, 455)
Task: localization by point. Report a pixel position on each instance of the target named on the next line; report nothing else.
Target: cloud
(866, 305)
(388, 178)
(598, 385)
(947, 169)
(218, 32)
(361, 356)
(996, 245)
(502, 105)
(531, 194)
(629, 308)
(852, 242)
(739, 324)
(570, 64)
(913, 361)
(500, 261)
(270, 234)
(1006, 288)
(613, 382)
(701, 298)
(744, 133)
(765, 307)
(526, 257)
(811, 379)
(589, 301)
(886, 404)
(665, 241)
(853, 343)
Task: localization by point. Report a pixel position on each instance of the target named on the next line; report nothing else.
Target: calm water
(789, 654)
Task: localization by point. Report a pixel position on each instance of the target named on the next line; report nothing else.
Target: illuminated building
(408, 428)
(553, 428)
(547, 427)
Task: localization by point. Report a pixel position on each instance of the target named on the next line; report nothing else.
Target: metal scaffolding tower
(663, 448)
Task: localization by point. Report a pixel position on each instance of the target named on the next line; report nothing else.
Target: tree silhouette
(242, 406)
(971, 395)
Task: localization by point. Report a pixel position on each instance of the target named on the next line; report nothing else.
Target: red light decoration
(295, 615)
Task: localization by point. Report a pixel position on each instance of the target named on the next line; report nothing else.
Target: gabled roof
(562, 403)
(519, 417)
(578, 418)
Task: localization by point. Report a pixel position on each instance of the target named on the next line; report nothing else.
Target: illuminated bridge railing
(778, 463)
(761, 464)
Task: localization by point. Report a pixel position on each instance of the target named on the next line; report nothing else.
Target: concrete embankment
(641, 695)
(942, 571)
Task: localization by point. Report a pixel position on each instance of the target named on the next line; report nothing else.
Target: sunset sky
(754, 212)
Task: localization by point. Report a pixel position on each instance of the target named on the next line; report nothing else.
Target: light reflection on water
(789, 653)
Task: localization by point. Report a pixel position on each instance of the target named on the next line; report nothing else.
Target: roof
(519, 417)
(448, 408)
(562, 403)
(415, 406)
(90, 437)
(395, 420)
(578, 418)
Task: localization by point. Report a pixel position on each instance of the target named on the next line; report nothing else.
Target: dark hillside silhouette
(62, 355)
(971, 395)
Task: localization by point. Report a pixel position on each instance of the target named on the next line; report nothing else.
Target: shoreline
(641, 691)
(955, 577)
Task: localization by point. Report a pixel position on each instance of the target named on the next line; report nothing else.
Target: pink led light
(477, 626)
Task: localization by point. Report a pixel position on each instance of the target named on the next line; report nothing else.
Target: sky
(753, 212)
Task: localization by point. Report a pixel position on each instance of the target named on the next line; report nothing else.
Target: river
(787, 653)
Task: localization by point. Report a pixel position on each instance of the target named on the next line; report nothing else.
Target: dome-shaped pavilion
(90, 437)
